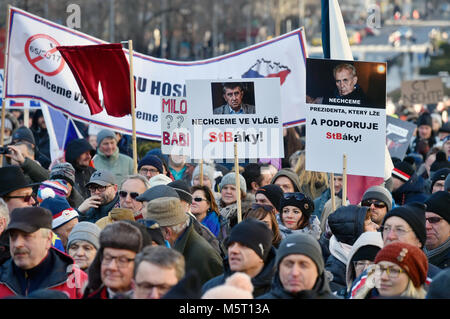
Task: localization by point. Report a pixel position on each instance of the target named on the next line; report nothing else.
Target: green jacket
(119, 164)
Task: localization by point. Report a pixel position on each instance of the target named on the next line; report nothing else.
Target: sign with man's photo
(242, 111)
(346, 114)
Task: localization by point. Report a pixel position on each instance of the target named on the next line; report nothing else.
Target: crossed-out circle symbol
(48, 54)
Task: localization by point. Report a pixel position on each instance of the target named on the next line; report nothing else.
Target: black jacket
(414, 190)
(4, 247)
(94, 214)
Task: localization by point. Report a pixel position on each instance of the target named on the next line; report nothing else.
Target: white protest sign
(346, 116)
(422, 91)
(36, 70)
(256, 128)
(175, 137)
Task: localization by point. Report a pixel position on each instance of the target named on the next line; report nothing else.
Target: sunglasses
(434, 220)
(26, 198)
(376, 203)
(297, 196)
(124, 194)
(267, 208)
(199, 199)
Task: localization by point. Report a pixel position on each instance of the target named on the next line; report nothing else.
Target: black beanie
(439, 203)
(300, 200)
(273, 192)
(425, 119)
(439, 175)
(414, 214)
(440, 162)
(403, 171)
(254, 234)
(366, 253)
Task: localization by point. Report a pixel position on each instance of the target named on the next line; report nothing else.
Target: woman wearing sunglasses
(204, 208)
(400, 270)
(296, 215)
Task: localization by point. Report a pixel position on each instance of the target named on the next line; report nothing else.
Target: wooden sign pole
(133, 106)
(344, 181)
(238, 184)
(333, 195)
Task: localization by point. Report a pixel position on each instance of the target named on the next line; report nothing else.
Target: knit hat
(445, 128)
(254, 234)
(157, 191)
(182, 188)
(289, 173)
(159, 179)
(380, 193)
(52, 188)
(85, 231)
(439, 203)
(23, 133)
(414, 214)
(152, 160)
(302, 244)
(121, 235)
(439, 175)
(114, 215)
(403, 171)
(61, 210)
(425, 119)
(299, 200)
(230, 179)
(104, 134)
(447, 183)
(166, 211)
(63, 171)
(208, 171)
(408, 257)
(441, 161)
(273, 192)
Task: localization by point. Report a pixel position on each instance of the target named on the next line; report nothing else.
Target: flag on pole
(335, 45)
(103, 64)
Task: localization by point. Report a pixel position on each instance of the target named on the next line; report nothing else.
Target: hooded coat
(82, 173)
(414, 190)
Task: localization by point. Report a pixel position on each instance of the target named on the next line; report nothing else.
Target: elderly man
(109, 158)
(379, 201)
(300, 270)
(156, 270)
(438, 229)
(104, 197)
(14, 188)
(83, 243)
(233, 94)
(150, 165)
(34, 263)
(130, 188)
(179, 231)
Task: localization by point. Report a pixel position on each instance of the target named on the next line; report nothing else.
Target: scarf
(211, 221)
(339, 250)
(434, 252)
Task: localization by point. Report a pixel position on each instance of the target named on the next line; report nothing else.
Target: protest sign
(398, 136)
(346, 115)
(175, 137)
(424, 91)
(256, 127)
(36, 70)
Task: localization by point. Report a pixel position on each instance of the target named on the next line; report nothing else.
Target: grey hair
(346, 66)
(4, 211)
(135, 176)
(163, 257)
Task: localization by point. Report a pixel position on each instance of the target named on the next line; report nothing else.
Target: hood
(77, 147)
(289, 174)
(415, 185)
(347, 223)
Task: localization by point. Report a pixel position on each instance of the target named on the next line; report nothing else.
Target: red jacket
(57, 272)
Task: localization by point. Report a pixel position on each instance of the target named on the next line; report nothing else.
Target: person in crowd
(270, 195)
(24, 138)
(430, 157)
(157, 269)
(209, 173)
(15, 190)
(249, 250)
(267, 215)
(237, 286)
(424, 133)
(149, 166)
(379, 200)
(154, 230)
(11, 124)
(40, 133)
(66, 172)
(83, 244)
(4, 238)
(256, 175)
(438, 288)
(34, 263)
(129, 189)
(437, 217)
(300, 272)
(103, 199)
(407, 186)
(64, 216)
(205, 209)
(109, 158)
(115, 215)
(111, 271)
(79, 153)
(400, 270)
(179, 168)
(288, 180)
(446, 146)
(438, 180)
(160, 179)
(296, 215)
(179, 231)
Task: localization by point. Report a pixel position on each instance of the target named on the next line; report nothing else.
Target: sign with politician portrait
(346, 114)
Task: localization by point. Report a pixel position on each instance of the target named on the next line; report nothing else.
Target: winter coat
(82, 177)
(203, 231)
(4, 247)
(346, 225)
(57, 272)
(199, 254)
(321, 290)
(261, 282)
(119, 164)
(313, 228)
(94, 214)
(414, 190)
(319, 203)
(33, 171)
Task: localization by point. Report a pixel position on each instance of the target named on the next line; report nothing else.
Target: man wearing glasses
(379, 201)
(103, 199)
(14, 188)
(130, 188)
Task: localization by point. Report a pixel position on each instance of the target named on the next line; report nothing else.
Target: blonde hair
(413, 292)
(309, 179)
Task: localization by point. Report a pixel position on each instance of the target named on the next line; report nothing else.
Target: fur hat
(121, 235)
(237, 286)
(408, 257)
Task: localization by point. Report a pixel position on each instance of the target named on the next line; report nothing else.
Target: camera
(4, 150)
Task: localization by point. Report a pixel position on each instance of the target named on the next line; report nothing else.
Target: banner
(36, 70)
(398, 136)
(346, 115)
(425, 91)
(17, 103)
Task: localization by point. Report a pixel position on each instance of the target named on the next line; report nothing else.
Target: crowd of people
(87, 227)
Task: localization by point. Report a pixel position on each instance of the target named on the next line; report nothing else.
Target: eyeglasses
(376, 203)
(26, 198)
(362, 264)
(147, 287)
(267, 208)
(391, 271)
(199, 199)
(146, 170)
(398, 230)
(434, 220)
(124, 194)
(101, 189)
(297, 196)
(121, 261)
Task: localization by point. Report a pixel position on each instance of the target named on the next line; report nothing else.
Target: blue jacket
(414, 190)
